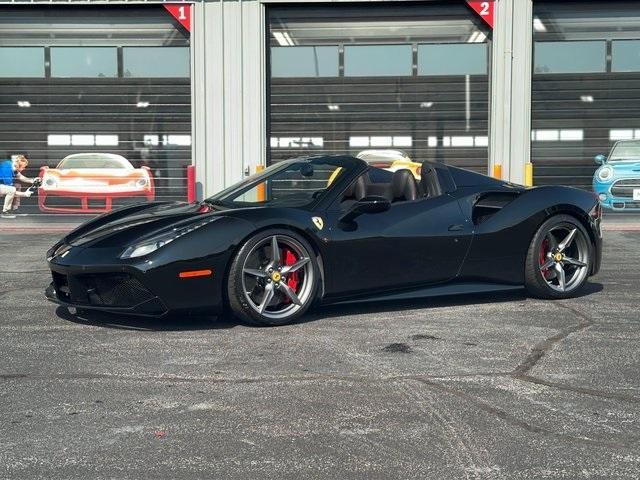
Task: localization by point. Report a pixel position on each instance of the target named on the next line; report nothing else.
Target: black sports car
(330, 229)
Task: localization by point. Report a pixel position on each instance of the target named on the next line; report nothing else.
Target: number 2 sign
(485, 10)
(181, 12)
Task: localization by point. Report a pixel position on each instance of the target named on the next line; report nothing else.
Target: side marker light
(196, 273)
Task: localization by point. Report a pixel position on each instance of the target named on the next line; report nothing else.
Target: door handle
(456, 228)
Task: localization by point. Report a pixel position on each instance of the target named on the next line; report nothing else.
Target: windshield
(628, 151)
(292, 183)
(95, 161)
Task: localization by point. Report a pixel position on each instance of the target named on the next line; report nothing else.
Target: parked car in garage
(617, 180)
(92, 182)
(391, 160)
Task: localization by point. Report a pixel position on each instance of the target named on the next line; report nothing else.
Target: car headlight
(154, 243)
(141, 182)
(605, 173)
(49, 181)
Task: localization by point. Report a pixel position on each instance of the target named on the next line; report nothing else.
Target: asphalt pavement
(485, 386)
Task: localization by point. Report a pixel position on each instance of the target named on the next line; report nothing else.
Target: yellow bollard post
(261, 191)
(497, 171)
(528, 174)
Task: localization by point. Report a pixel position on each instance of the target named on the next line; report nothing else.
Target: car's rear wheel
(273, 278)
(559, 258)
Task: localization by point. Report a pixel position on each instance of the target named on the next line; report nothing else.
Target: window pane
(21, 62)
(452, 59)
(377, 60)
(166, 62)
(147, 121)
(582, 114)
(377, 101)
(625, 56)
(570, 57)
(84, 62)
(304, 61)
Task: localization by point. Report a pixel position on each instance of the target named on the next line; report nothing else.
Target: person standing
(10, 171)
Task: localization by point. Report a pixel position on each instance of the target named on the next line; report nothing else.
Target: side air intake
(491, 203)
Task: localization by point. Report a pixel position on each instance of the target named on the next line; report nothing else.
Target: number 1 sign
(181, 12)
(485, 10)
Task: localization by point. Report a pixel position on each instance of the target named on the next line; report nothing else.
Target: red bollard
(191, 183)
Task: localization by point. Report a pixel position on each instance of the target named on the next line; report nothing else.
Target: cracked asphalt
(486, 386)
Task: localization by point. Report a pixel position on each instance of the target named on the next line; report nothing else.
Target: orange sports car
(89, 183)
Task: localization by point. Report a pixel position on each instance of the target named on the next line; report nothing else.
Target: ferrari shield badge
(318, 222)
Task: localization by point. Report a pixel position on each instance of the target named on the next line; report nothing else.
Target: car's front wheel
(559, 258)
(273, 278)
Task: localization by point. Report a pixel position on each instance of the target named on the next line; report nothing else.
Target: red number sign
(485, 10)
(181, 12)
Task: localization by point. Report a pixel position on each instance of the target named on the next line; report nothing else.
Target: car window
(625, 151)
(289, 184)
(94, 161)
(378, 175)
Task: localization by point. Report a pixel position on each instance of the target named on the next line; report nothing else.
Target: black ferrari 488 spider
(330, 229)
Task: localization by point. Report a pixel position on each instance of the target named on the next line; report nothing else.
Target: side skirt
(434, 291)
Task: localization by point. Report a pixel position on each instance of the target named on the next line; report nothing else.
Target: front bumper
(619, 196)
(96, 278)
(71, 201)
(115, 292)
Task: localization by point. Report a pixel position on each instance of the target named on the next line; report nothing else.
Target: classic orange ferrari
(89, 183)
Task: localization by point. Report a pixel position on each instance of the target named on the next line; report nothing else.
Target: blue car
(617, 180)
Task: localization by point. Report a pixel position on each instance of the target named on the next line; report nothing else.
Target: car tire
(292, 278)
(563, 243)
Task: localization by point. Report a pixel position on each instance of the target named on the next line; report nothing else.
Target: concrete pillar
(228, 94)
(510, 124)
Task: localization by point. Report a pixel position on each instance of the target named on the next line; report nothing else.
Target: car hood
(624, 166)
(129, 224)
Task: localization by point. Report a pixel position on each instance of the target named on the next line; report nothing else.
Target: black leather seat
(403, 186)
(429, 182)
(356, 191)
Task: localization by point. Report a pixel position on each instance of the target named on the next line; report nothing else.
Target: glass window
(452, 59)
(580, 115)
(21, 62)
(95, 160)
(163, 62)
(377, 60)
(84, 62)
(286, 184)
(81, 103)
(570, 57)
(376, 101)
(316, 61)
(625, 151)
(625, 56)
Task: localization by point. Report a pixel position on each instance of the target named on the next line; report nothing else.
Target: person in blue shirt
(10, 171)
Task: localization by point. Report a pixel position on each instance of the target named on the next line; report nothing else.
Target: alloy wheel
(564, 258)
(278, 277)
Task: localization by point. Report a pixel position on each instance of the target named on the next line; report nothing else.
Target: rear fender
(501, 242)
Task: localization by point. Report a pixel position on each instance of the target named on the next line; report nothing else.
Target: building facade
(113, 101)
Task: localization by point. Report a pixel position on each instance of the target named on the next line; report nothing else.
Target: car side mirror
(371, 204)
(600, 159)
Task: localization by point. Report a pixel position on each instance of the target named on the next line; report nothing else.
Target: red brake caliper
(543, 256)
(293, 278)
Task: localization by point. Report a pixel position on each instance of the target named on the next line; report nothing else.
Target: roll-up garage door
(98, 100)
(407, 80)
(586, 94)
